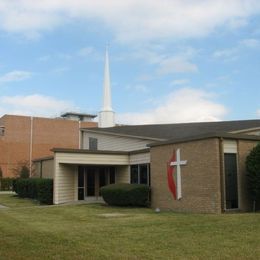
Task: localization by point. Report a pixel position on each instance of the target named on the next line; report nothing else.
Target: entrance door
(231, 180)
(91, 182)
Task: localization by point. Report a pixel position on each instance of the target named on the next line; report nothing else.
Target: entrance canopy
(87, 157)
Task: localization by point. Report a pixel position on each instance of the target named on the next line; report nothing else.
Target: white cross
(178, 163)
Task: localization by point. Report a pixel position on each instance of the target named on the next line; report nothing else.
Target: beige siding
(44, 169)
(122, 174)
(97, 159)
(115, 143)
(254, 133)
(47, 169)
(64, 183)
(37, 169)
(140, 158)
(230, 146)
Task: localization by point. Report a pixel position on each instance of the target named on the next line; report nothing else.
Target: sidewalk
(7, 192)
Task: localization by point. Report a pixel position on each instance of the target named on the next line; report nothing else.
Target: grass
(100, 232)
(14, 201)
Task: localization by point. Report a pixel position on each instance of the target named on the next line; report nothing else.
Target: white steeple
(106, 115)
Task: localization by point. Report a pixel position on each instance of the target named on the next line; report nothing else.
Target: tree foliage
(22, 170)
(253, 173)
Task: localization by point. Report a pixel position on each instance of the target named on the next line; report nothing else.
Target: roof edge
(207, 136)
(122, 135)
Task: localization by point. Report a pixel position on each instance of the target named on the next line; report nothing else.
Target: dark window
(140, 174)
(112, 175)
(134, 174)
(143, 174)
(93, 143)
(91, 182)
(81, 183)
(2, 131)
(102, 177)
(230, 160)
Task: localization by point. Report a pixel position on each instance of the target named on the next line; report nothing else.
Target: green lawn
(101, 232)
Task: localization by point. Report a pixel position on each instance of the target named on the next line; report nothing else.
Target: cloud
(138, 88)
(258, 112)
(16, 75)
(176, 65)
(226, 54)
(86, 51)
(251, 43)
(179, 82)
(165, 62)
(154, 19)
(183, 105)
(36, 105)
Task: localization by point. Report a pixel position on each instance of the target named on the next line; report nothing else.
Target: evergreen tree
(253, 174)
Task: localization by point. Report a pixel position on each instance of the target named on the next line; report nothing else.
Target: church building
(190, 167)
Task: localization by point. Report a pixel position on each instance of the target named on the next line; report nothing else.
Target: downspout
(222, 184)
(31, 147)
(79, 134)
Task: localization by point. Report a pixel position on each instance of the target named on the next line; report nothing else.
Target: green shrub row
(35, 188)
(6, 184)
(126, 194)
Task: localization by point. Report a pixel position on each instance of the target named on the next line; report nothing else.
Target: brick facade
(200, 177)
(244, 148)
(15, 144)
(203, 178)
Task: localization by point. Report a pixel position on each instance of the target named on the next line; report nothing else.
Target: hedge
(6, 184)
(126, 194)
(35, 188)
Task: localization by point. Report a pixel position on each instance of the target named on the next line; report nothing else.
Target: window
(93, 143)
(230, 162)
(112, 175)
(140, 174)
(2, 131)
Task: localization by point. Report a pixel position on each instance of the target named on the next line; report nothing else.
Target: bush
(126, 194)
(22, 170)
(6, 184)
(253, 174)
(45, 191)
(22, 188)
(35, 188)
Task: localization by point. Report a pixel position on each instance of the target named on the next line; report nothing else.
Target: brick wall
(47, 133)
(201, 190)
(244, 148)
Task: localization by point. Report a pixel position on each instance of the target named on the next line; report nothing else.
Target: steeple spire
(106, 87)
(106, 115)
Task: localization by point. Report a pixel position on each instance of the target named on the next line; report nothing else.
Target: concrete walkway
(7, 192)
(3, 207)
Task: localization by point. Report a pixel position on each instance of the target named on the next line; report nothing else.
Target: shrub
(253, 175)
(22, 187)
(45, 191)
(1, 173)
(126, 194)
(6, 184)
(22, 170)
(35, 188)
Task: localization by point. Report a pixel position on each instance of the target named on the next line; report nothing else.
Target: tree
(22, 170)
(253, 174)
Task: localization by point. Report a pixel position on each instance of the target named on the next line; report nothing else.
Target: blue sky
(170, 61)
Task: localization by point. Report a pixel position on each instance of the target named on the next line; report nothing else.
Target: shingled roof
(182, 130)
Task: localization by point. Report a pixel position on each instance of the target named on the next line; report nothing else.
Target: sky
(170, 60)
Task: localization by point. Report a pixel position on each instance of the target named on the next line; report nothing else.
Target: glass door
(90, 182)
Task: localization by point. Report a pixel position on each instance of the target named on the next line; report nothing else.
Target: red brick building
(24, 138)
